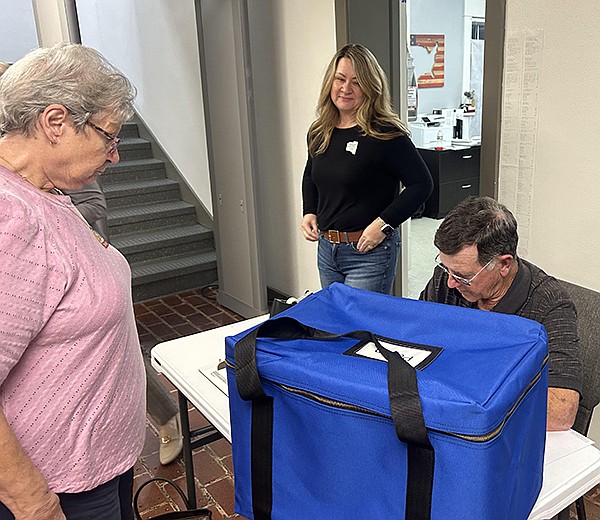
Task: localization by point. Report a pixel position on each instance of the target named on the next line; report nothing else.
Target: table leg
(187, 450)
(580, 508)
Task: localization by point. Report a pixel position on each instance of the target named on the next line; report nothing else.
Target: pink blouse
(72, 380)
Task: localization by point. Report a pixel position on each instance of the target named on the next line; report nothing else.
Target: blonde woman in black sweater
(359, 157)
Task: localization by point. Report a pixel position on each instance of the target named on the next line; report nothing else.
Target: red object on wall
(431, 42)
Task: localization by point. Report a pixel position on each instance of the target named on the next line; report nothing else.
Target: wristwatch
(386, 228)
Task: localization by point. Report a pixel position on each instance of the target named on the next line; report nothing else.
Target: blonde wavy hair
(375, 116)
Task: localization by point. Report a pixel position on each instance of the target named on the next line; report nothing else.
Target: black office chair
(587, 303)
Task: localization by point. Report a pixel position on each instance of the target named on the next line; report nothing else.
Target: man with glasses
(478, 267)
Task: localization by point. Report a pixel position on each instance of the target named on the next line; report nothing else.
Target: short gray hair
(482, 221)
(72, 75)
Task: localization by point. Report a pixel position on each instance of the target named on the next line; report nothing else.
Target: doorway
(445, 53)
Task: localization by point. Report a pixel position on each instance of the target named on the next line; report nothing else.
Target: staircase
(156, 231)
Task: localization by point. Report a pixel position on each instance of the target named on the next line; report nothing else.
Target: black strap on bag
(190, 514)
(405, 405)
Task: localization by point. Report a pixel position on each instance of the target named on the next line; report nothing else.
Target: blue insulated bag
(357, 405)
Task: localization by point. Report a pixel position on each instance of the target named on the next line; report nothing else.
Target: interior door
(380, 25)
(229, 111)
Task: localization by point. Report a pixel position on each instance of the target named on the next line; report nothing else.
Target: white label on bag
(413, 356)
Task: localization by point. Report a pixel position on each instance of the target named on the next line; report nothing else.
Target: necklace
(74, 210)
(56, 191)
(12, 169)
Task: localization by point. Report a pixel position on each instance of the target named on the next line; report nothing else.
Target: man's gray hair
(482, 221)
(72, 75)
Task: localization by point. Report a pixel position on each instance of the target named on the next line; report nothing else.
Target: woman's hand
(23, 489)
(48, 509)
(309, 227)
(372, 236)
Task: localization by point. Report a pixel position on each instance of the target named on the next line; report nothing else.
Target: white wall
(291, 44)
(17, 27)
(154, 42)
(559, 218)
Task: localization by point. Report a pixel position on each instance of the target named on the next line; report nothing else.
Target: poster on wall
(434, 45)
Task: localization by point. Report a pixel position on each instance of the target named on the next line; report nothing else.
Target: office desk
(566, 478)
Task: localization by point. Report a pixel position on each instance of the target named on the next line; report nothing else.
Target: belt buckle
(330, 236)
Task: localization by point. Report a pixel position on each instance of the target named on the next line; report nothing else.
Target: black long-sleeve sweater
(358, 179)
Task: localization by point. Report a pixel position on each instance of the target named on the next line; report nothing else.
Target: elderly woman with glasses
(72, 381)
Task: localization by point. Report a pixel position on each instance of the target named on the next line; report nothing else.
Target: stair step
(167, 249)
(145, 272)
(134, 169)
(117, 189)
(135, 148)
(137, 242)
(129, 129)
(160, 278)
(150, 216)
(120, 194)
(162, 243)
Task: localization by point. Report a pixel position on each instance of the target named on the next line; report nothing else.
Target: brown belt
(336, 237)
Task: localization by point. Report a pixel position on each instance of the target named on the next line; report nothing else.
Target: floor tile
(206, 468)
(222, 493)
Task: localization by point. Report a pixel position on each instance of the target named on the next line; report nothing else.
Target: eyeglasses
(460, 279)
(113, 140)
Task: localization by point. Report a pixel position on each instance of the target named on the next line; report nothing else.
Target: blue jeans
(109, 501)
(373, 270)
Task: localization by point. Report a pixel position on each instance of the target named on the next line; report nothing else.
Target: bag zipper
(327, 401)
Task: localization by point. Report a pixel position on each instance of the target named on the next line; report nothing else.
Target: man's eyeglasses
(460, 279)
(113, 140)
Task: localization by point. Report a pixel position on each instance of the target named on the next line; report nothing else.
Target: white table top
(180, 360)
(566, 478)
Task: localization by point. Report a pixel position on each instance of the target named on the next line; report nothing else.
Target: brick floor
(161, 320)
(180, 315)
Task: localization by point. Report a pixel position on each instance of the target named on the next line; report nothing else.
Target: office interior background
(238, 139)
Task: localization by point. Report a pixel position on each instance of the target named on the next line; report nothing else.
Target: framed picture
(434, 45)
